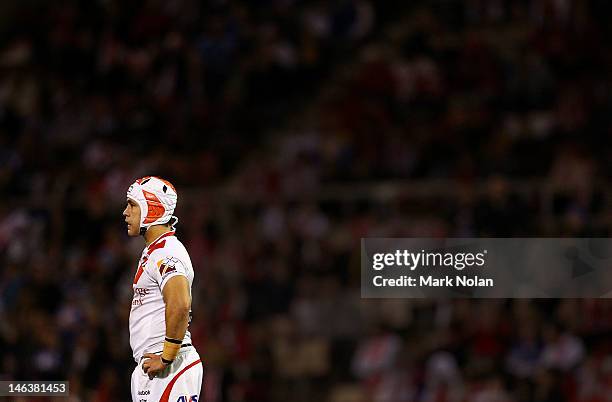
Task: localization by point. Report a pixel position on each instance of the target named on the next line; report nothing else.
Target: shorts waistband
(185, 345)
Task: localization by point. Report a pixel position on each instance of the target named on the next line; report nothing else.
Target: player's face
(132, 218)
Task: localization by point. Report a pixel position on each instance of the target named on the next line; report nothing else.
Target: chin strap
(143, 229)
(173, 225)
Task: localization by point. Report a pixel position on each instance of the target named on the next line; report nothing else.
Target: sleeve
(167, 267)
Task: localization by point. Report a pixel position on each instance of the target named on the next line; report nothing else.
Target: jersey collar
(154, 242)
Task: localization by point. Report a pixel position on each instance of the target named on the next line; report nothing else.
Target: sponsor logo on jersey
(186, 398)
(145, 392)
(139, 293)
(167, 265)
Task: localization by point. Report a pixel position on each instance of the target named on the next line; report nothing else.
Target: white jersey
(163, 259)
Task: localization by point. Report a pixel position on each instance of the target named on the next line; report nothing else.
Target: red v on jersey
(156, 244)
(141, 268)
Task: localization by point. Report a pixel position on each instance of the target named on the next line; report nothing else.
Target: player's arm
(170, 274)
(178, 303)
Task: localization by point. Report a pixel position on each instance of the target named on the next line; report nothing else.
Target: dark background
(292, 129)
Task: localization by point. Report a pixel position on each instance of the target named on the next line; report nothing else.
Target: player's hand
(153, 364)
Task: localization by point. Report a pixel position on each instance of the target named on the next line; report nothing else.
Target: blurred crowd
(291, 130)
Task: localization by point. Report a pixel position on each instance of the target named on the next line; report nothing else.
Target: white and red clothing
(164, 258)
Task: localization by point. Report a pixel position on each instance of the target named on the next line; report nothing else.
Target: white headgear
(156, 198)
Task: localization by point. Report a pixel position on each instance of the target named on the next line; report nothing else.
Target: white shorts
(179, 382)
